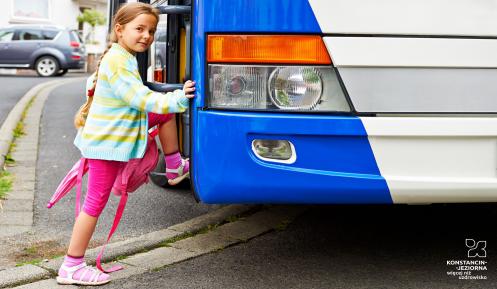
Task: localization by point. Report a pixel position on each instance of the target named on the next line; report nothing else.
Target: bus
(334, 101)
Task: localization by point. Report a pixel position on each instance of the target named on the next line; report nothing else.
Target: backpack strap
(79, 181)
(117, 218)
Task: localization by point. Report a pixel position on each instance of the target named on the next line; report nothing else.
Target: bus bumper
(334, 164)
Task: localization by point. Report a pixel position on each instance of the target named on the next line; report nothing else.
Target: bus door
(170, 67)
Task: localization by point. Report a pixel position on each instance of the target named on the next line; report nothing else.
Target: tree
(93, 18)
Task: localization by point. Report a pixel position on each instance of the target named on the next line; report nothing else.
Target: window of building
(38, 9)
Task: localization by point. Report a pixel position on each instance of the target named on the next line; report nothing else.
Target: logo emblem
(476, 249)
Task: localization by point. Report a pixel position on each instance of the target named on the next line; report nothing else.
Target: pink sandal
(96, 277)
(180, 174)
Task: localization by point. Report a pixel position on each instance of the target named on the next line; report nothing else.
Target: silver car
(50, 50)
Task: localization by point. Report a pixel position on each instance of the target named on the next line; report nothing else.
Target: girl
(113, 126)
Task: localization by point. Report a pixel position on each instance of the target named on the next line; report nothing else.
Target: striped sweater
(117, 123)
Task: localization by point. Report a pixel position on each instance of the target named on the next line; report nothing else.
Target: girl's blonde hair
(126, 13)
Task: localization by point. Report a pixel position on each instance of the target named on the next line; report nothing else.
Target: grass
(30, 103)
(211, 227)
(5, 184)
(5, 177)
(19, 130)
(168, 242)
(30, 262)
(121, 257)
(187, 235)
(39, 251)
(9, 160)
(160, 268)
(45, 250)
(232, 219)
(282, 226)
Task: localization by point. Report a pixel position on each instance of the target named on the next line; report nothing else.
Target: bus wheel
(160, 180)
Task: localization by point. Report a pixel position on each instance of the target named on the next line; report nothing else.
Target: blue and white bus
(336, 101)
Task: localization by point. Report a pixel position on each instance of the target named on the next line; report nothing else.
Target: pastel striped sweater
(117, 124)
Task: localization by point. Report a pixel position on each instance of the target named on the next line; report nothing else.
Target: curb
(10, 123)
(146, 246)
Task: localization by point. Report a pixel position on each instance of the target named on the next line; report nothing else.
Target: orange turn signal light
(278, 49)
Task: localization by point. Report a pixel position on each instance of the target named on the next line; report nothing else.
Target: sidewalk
(16, 215)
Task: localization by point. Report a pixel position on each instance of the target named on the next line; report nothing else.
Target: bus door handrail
(176, 10)
(163, 87)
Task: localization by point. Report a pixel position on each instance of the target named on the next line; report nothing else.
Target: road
(356, 247)
(15, 86)
(13, 89)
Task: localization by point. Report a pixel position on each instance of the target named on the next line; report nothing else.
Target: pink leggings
(102, 174)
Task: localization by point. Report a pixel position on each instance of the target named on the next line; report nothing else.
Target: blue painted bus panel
(282, 16)
(334, 163)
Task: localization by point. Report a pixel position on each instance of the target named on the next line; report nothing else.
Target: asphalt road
(13, 89)
(150, 208)
(364, 247)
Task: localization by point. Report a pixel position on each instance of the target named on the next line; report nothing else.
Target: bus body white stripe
(420, 17)
(436, 159)
(421, 90)
(412, 52)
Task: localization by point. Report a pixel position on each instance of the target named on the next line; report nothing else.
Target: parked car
(50, 50)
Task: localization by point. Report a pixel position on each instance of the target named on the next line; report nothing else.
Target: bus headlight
(286, 88)
(238, 87)
(295, 87)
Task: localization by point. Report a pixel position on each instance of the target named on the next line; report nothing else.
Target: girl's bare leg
(169, 141)
(73, 270)
(81, 234)
(168, 137)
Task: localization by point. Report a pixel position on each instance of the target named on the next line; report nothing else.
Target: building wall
(64, 12)
(60, 12)
(5, 14)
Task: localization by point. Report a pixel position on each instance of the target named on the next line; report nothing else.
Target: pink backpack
(134, 174)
